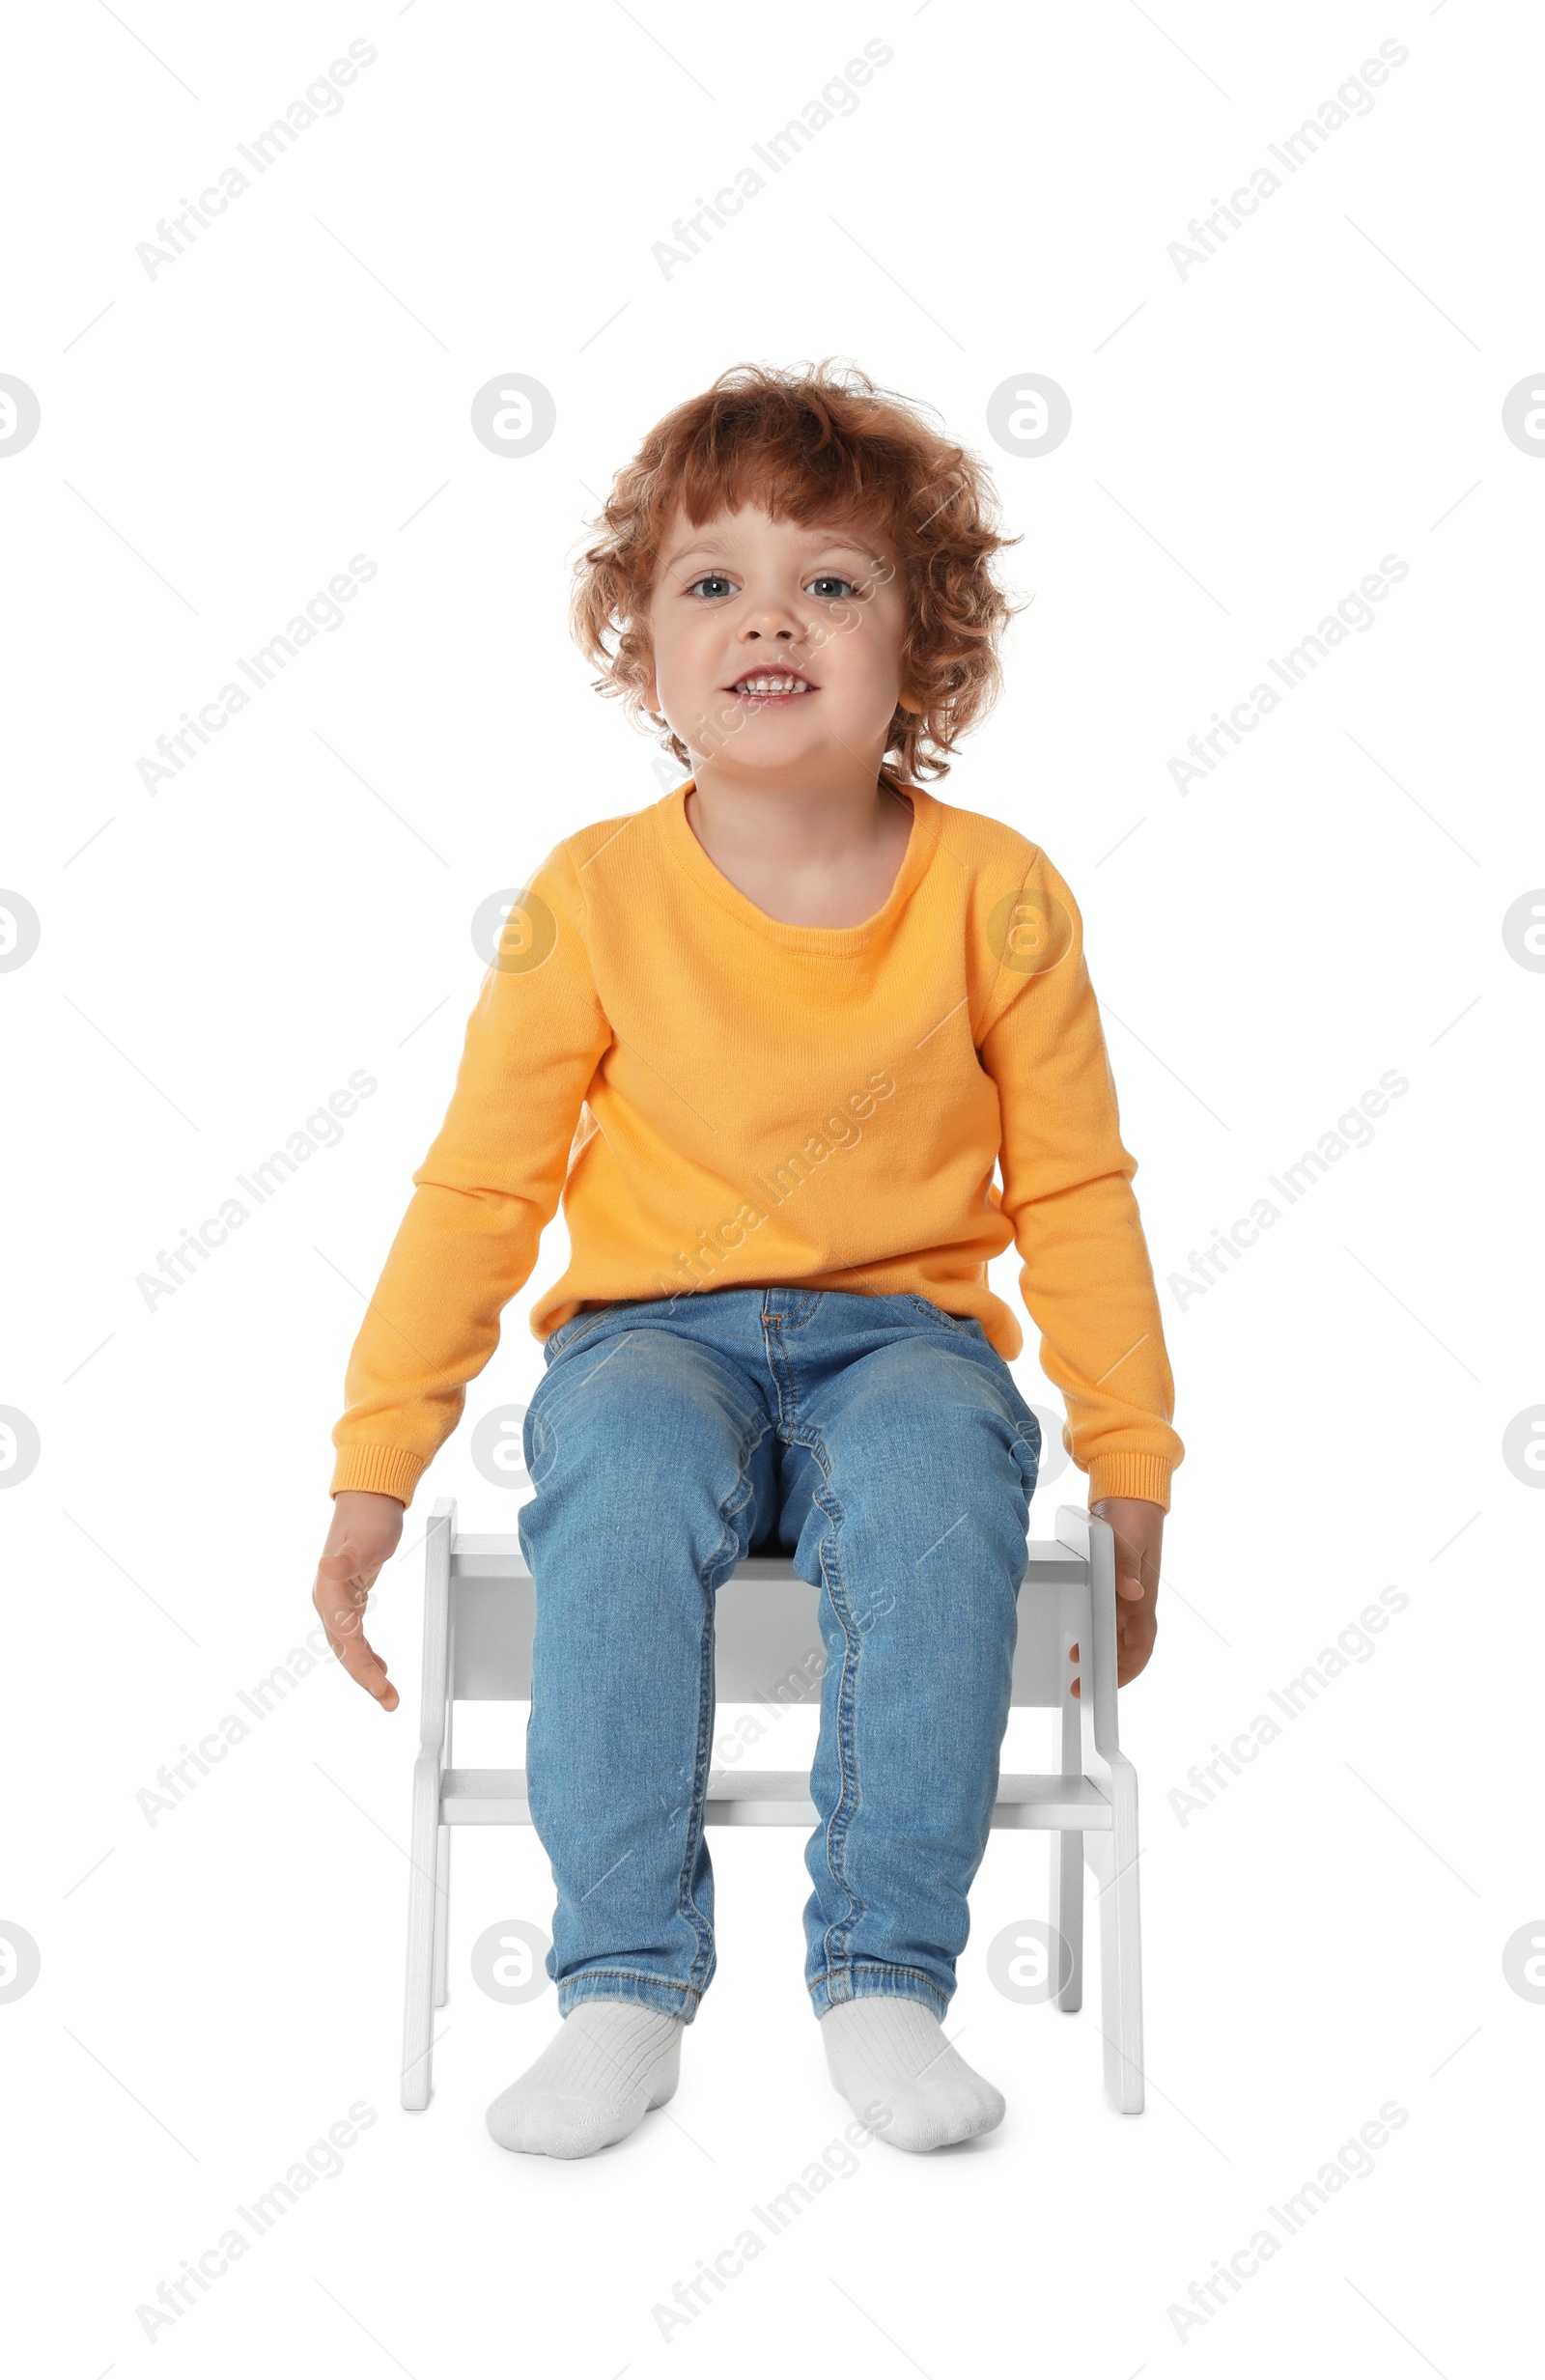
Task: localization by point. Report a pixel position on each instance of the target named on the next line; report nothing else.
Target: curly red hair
(812, 444)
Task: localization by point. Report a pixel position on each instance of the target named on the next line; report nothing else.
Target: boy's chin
(757, 747)
(775, 741)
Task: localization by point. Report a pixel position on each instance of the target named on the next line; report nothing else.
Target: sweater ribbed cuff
(1146, 1475)
(383, 1470)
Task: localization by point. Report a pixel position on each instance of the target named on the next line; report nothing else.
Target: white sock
(610, 2062)
(880, 2047)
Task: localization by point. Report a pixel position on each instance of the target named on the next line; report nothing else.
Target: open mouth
(766, 688)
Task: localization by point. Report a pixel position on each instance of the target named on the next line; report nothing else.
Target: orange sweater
(721, 1099)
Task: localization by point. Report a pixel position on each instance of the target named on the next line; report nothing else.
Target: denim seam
(734, 1503)
(1030, 1460)
(782, 1371)
(850, 1793)
(938, 1314)
(1032, 1453)
(703, 1961)
(593, 1323)
(703, 1756)
(779, 1362)
(630, 1974)
(875, 1967)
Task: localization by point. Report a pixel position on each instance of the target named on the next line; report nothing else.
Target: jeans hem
(834, 1985)
(622, 1983)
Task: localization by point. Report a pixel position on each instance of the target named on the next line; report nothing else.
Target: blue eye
(829, 585)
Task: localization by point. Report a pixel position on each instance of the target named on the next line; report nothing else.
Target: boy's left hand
(1139, 1528)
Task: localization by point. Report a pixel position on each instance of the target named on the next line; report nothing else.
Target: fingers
(1135, 1642)
(367, 1669)
(343, 1622)
(1135, 1631)
(340, 1596)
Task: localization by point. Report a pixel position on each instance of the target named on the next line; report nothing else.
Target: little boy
(766, 1040)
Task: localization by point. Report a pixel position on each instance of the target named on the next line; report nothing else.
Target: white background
(1249, 440)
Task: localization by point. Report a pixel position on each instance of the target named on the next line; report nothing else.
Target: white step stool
(479, 1617)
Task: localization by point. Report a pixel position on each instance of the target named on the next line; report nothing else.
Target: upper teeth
(768, 685)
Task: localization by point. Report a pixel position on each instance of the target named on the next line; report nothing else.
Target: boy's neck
(821, 817)
(805, 858)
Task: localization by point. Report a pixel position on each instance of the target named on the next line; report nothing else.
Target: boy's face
(743, 598)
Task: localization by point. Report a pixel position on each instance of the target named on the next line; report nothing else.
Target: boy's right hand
(365, 1530)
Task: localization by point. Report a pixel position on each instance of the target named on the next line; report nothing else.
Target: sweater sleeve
(488, 1187)
(1085, 1278)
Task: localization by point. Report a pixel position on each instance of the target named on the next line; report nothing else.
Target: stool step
(777, 1798)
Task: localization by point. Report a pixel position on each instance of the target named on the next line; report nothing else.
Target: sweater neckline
(835, 941)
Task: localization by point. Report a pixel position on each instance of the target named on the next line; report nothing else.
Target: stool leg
(443, 1916)
(1067, 1914)
(425, 1899)
(1120, 1946)
(442, 1875)
(1067, 1868)
(418, 2015)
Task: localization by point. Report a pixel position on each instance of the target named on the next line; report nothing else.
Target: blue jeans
(881, 1444)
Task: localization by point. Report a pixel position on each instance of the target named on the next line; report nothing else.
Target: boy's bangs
(786, 484)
